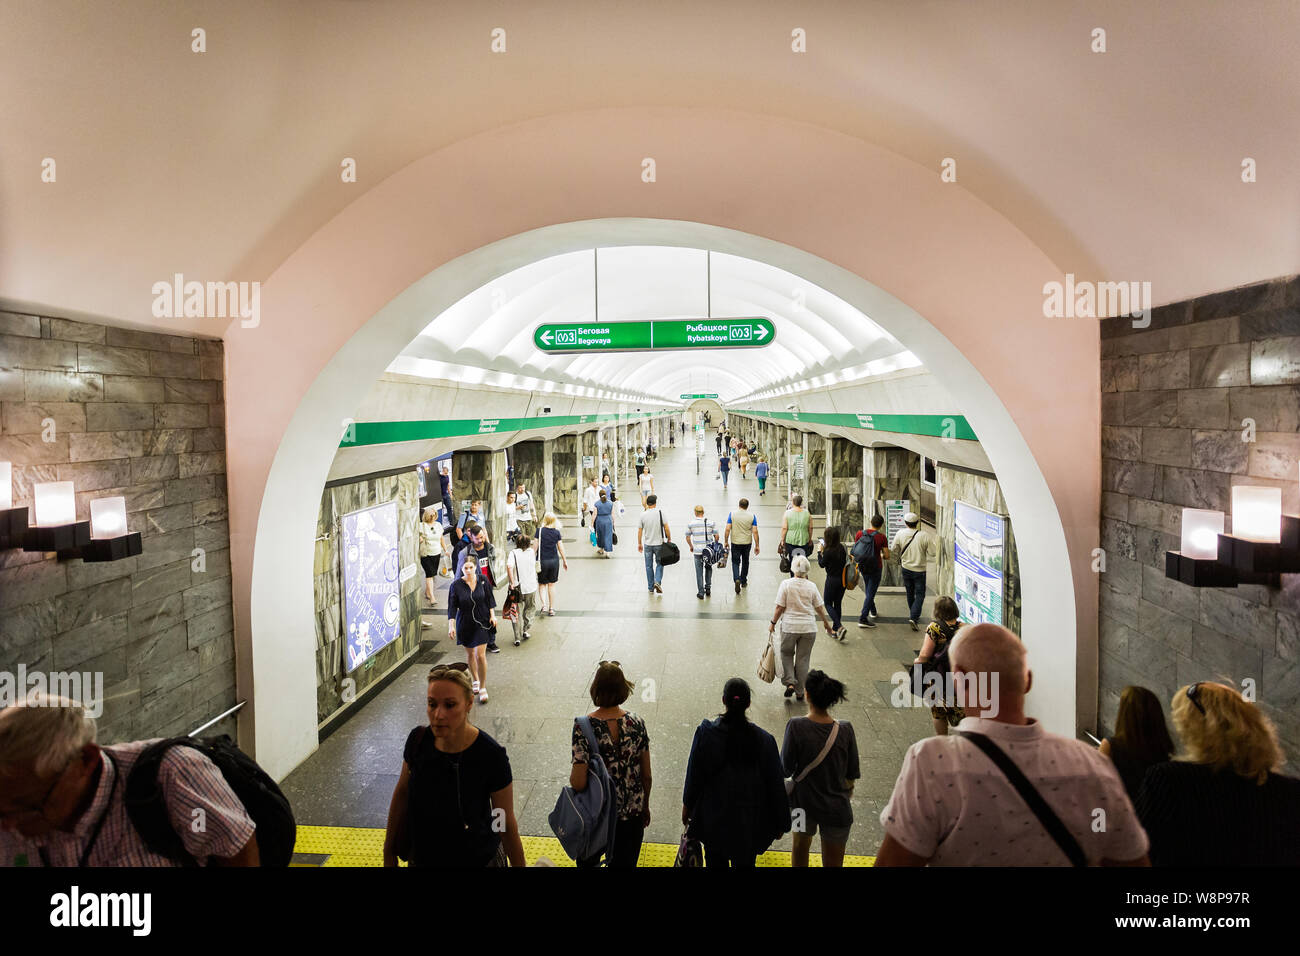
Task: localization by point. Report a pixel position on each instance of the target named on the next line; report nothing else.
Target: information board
(979, 542)
(371, 567)
(894, 511)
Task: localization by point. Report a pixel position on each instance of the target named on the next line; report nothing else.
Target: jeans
(740, 562)
(833, 597)
(870, 584)
(628, 835)
(523, 621)
(914, 582)
(796, 650)
(654, 571)
(724, 478)
(703, 572)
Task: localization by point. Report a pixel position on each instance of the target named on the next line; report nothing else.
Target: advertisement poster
(978, 550)
(371, 566)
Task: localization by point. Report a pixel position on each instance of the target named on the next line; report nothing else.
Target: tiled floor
(679, 650)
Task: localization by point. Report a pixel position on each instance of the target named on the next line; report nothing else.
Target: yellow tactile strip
(363, 846)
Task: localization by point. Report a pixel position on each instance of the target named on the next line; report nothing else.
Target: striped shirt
(700, 532)
(189, 781)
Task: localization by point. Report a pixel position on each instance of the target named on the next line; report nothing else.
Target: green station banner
(689, 398)
(938, 426)
(359, 434)
(655, 335)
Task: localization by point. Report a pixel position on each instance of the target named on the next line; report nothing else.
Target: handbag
(669, 553)
(826, 749)
(767, 663)
(689, 851)
(785, 563)
(593, 539)
(1046, 816)
(613, 537)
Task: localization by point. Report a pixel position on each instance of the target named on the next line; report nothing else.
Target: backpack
(262, 799)
(864, 549)
(584, 821)
(849, 576)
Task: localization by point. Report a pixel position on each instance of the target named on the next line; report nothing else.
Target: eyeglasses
(1192, 691)
(441, 669)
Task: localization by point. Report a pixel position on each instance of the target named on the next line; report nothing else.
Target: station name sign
(655, 335)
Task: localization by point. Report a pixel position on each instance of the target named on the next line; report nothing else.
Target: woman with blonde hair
(550, 552)
(453, 805)
(1223, 803)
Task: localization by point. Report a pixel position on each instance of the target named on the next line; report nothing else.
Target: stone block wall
(140, 415)
(897, 476)
(1178, 400)
(846, 488)
(331, 665)
(564, 464)
(815, 470)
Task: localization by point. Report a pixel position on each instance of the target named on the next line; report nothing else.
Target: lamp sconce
(103, 538)
(1265, 543)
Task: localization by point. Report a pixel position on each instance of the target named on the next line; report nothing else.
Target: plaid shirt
(188, 781)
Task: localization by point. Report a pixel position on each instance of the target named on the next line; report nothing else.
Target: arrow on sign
(760, 333)
(546, 336)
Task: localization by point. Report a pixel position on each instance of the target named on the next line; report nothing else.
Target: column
(548, 460)
(564, 476)
(815, 472)
(897, 476)
(845, 493)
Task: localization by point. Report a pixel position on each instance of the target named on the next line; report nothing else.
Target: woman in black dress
(472, 623)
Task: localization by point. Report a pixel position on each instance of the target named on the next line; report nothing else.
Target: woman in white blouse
(798, 605)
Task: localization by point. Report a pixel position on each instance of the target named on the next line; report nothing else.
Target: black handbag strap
(1046, 816)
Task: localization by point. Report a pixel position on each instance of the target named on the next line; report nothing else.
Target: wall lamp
(1264, 545)
(103, 538)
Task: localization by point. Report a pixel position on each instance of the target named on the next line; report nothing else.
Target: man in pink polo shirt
(61, 796)
(955, 805)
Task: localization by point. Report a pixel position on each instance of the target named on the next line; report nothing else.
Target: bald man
(953, 805)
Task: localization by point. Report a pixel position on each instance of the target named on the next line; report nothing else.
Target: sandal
(483, 696)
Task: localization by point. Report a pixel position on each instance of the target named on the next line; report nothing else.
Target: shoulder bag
(826, 749)
(1046, 816)
(767, 662)
(669, 553)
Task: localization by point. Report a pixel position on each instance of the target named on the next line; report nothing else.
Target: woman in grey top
(823, 795)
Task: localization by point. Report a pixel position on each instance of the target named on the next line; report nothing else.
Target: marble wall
(982, 491)
(846, 504)
(333, 693)
(529, 460)
(897, 475)
(816, 473)
(564, 474)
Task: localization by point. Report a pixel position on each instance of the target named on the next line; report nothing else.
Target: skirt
(477, 638)
(550, 572)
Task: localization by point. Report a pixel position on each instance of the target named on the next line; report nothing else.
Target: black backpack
(262, 799)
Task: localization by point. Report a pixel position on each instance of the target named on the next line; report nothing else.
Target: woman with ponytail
(734, 801)
(829, 767)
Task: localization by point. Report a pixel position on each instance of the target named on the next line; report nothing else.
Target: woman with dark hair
(472, 622)
(604, 526)
(625, 749)
(734, 800)
(1224, 803)
(821, 755)
(453, 805)
(1141, 738)
(832, 556)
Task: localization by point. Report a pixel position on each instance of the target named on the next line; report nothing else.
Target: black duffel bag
(669, 553)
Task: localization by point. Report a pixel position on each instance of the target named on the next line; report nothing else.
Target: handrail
(197, 730)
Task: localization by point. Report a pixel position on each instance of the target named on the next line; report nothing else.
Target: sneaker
(425, 625)
(789, 690)
(708, 592)
(517, 642)
(482, 696)
(744, 584)
(658, 589)
(527, 635)
(865, 624)
(842, 634)
(737, 587)
(493, 649)
(913, 624)
(700, 596)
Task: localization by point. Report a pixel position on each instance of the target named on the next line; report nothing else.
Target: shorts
(550, 572)
(430, 564)
(836, 836)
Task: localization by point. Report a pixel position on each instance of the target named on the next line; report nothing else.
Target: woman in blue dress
(606, 486)
(604, 526)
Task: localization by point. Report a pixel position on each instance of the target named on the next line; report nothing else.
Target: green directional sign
(689, 398)
(654, 335)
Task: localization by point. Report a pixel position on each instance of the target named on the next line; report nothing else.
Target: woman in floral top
(938, 638)
(625, 749)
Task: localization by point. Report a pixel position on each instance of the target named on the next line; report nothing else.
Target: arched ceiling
(218, 165)
(817, 334)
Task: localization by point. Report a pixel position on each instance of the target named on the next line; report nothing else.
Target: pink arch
(950, 277)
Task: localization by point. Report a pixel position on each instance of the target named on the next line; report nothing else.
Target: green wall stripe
(386, 433)
(939, 426)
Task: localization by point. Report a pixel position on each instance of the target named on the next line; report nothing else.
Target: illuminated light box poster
(372, 604)
(978, 546)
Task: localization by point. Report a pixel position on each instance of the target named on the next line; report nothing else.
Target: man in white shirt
(698, 535)
(521, 569)
(589, 499)
(650, 534)
(915, 548)
(524, 511)
(954, 806)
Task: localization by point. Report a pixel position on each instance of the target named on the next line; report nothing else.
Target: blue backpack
(584, 821)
